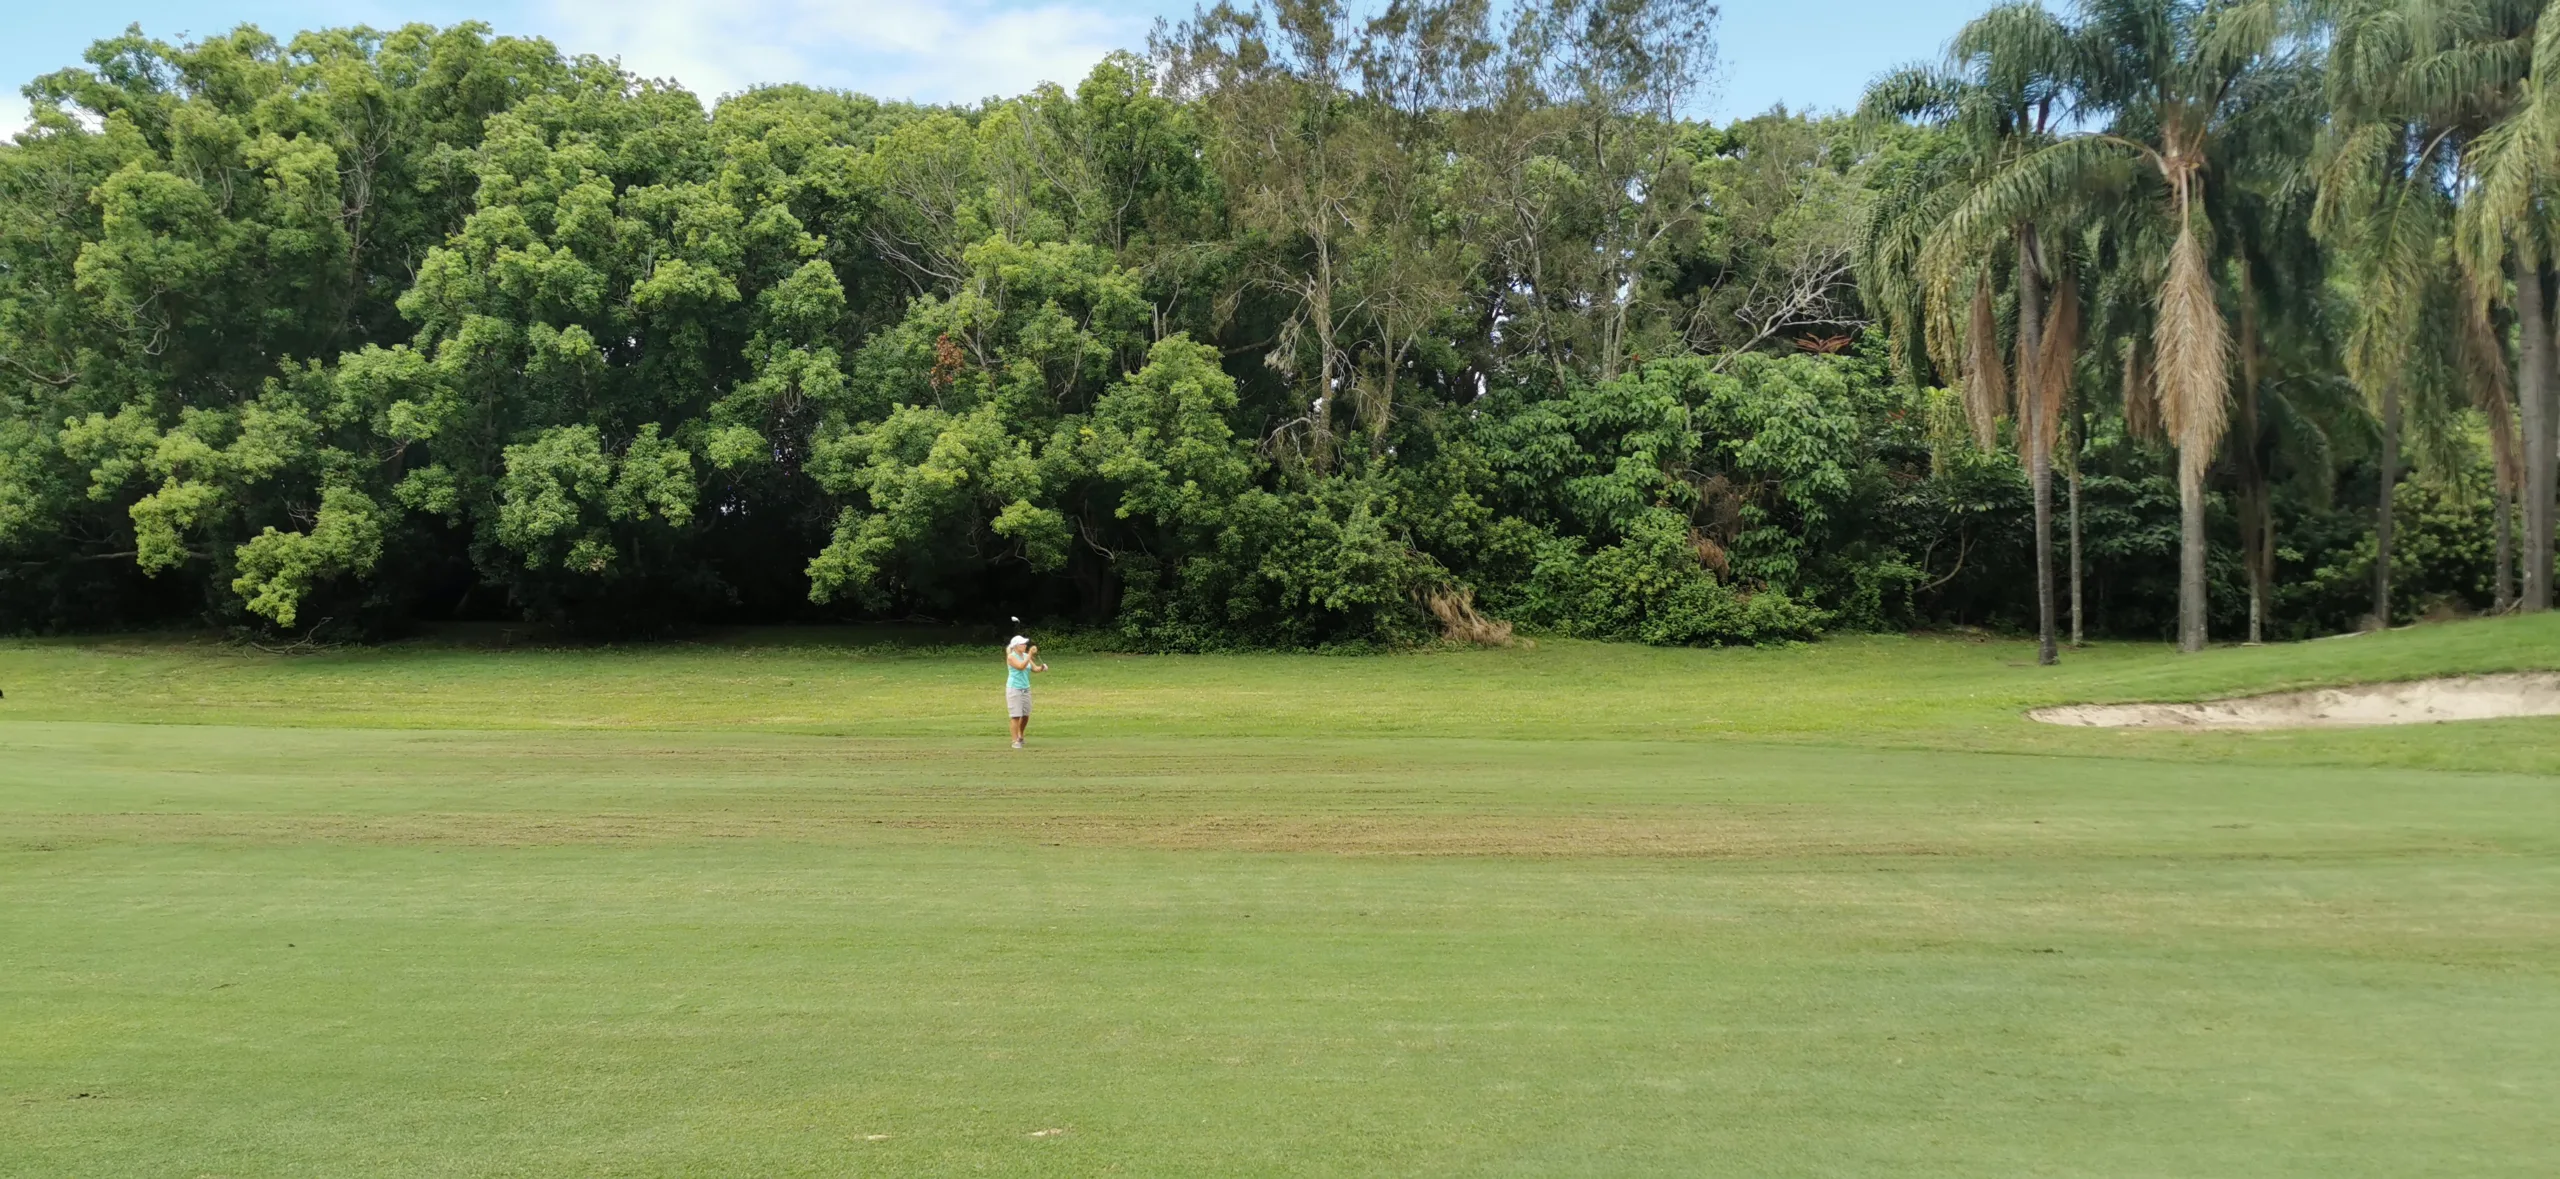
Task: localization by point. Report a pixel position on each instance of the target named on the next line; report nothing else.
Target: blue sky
(1805, 55)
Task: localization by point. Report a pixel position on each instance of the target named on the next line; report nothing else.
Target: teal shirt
(1016, 679)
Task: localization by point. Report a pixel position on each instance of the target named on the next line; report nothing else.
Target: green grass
(766, 908)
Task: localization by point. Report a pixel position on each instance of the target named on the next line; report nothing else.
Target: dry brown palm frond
(2141, 403)
(1942, 322)
(1455, 607)
(2484, 361)
(2040, 419)
(1986, 387)
(2193, 349)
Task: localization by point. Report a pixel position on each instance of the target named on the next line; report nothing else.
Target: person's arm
(1034, 656)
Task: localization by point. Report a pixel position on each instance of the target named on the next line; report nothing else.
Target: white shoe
(1017, 744)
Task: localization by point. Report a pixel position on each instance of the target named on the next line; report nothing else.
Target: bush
(1653, 587)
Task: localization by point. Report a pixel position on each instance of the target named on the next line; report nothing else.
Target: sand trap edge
(2409, 702)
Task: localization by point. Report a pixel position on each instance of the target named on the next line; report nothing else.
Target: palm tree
(2484, 360)
(2173, 80)
(2260, 202)
(2505, 62)
(1999, 95)
(2414, 86)
(2383, 208)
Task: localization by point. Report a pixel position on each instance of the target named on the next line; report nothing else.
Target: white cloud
(931, 50)
(13, 115)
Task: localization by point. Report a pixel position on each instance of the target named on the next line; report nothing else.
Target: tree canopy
(1304, 327)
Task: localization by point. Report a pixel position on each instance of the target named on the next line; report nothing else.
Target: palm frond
(2038, 183)
(2141, 398)
(1985, 384)
(2193, 354)
(2484, 365)
(1912, 92)
(2057, 353)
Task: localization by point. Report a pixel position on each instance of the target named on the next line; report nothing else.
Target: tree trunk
(2191, 472)
(2031, 430)
(2254, 526)
(2258, 547)
(2264, 559)
(2382, 507)
(2254, 493)
(2502, 586)
(2533, 403)
(1321, 301)
(2080, 428)
(2043, 480)
(2249, 554)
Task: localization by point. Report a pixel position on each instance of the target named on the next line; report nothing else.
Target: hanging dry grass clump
(1710, 553)
(1986, 385)
(2193, 346)
(1455, 607)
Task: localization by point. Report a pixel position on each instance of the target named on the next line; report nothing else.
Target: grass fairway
(756, 908)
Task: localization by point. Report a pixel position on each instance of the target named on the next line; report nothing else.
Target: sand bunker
(2416, 702)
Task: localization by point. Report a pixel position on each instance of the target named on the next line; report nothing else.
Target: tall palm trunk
(2502, 586)
(2253, 541)
(2079, 430)
(2255, 527)
(2265, 557)
(2533, 402)
(2382, 507)
(2043, 481)
(2191, 541)
(2034, 431)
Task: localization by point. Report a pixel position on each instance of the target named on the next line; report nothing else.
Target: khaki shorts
(1017, 702)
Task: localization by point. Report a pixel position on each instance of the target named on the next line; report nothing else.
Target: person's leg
(1020, 723)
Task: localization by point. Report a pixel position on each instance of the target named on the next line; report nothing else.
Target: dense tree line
(1306, 327)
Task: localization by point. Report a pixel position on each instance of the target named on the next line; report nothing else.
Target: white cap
(1018, 641)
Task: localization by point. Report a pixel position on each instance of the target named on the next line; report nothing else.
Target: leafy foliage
(1273, 337)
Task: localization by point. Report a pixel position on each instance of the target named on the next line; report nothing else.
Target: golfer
(1021, 658)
